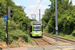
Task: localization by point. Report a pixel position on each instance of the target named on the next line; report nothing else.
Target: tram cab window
(36, 28)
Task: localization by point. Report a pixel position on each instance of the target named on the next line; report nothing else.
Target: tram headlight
(33, 33)
(39, 32)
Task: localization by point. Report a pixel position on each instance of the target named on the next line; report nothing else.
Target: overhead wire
(36, 9)
(37, 6)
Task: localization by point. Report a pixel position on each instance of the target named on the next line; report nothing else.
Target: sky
(30, 6)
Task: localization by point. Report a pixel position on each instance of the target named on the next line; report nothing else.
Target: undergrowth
(14, 32)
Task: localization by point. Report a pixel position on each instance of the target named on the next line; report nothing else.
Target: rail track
(41, 42)
(60, 38)
(44, 42)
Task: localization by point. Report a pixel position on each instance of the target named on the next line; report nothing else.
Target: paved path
(21, 48)
(38, 48)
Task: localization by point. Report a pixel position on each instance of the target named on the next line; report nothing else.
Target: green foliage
(2, 29)
(67, 36)
(66, 17)
(2, 7)
(17, 25)
(14, 32)
(19, 16)
(73, 33)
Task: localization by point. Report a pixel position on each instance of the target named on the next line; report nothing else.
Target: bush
(14, 31)
(73, 33)
(16, 34)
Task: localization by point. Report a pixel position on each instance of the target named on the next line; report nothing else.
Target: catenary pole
(56, 20)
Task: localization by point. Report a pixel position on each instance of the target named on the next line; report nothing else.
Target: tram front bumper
(36, 34)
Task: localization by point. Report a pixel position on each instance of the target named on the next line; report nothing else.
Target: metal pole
(32, 16)
(35, 17)
(7, 23)
(56, 20)
(39, 14)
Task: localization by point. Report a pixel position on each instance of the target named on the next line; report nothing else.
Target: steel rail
(51, 44)
(38, 44)
(48, 43)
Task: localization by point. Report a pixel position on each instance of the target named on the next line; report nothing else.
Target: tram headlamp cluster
(39, 32)
(33, 33)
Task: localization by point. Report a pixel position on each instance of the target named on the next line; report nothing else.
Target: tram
(36, 29)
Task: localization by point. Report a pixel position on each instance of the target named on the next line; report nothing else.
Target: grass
(64, 35)
(71, 36)
(67, 36)
(16, 43)
(16, 34)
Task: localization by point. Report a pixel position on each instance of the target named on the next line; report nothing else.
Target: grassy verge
(65, 36)
(71, 36)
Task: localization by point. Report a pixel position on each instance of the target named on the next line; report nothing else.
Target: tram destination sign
(36, 23)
